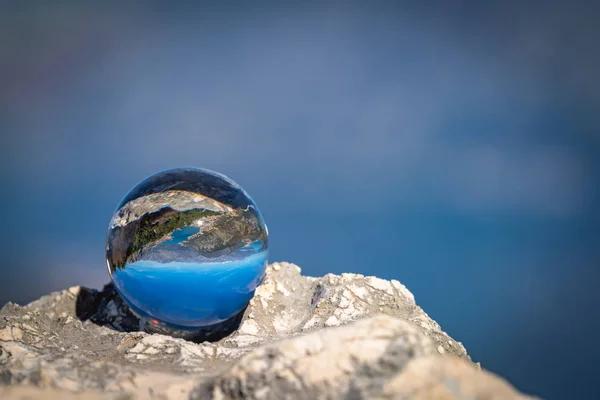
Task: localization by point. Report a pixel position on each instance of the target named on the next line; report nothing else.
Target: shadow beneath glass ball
(106, 308)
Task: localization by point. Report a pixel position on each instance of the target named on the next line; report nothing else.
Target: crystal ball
(186, 248)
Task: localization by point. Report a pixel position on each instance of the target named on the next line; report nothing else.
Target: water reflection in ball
(186, 248)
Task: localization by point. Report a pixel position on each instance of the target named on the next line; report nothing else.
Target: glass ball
(186, 248)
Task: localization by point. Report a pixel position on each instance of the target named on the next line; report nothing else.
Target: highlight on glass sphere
(186, 248)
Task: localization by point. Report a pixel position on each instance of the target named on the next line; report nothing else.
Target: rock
(22, 392)
(346, 336)
(437, 377)
(356, 358)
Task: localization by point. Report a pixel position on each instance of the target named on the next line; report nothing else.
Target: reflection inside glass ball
(186, 248)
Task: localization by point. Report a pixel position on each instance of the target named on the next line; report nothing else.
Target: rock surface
(335, 337)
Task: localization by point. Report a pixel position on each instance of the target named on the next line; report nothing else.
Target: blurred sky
(453, 146)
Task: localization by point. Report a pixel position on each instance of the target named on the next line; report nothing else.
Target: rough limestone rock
(335, 337)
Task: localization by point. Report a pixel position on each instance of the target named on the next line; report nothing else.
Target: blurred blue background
(454, 147)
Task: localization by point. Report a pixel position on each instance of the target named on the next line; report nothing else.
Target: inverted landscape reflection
(186, 248)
